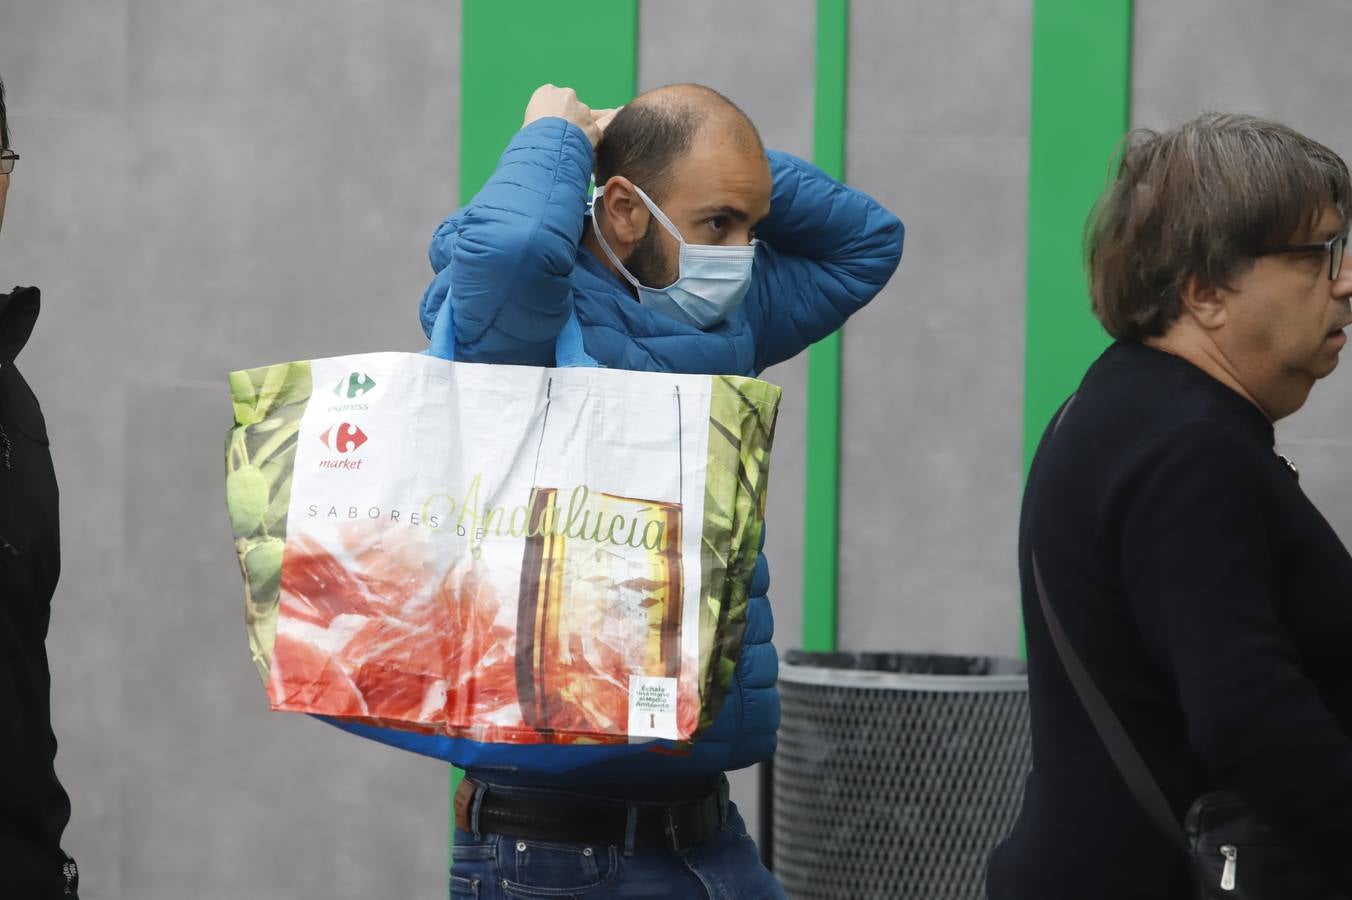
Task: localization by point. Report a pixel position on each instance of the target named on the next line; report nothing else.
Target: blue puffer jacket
(519, 285)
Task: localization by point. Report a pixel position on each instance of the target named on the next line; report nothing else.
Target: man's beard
(648, 263)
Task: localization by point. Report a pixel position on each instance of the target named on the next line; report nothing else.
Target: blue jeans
(724, 867)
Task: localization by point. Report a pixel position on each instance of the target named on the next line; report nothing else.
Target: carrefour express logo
(354, 385)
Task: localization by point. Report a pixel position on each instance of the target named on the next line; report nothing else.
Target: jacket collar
(18, 315)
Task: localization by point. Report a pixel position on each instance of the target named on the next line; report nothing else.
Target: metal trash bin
(896, 773)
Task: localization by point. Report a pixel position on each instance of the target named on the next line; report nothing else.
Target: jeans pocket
(540, 869)
(468, 851)
(473, 866)
(464, 887)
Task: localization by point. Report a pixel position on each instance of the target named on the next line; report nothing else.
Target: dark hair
(647, 138)
(4, 120)
(1201, 201)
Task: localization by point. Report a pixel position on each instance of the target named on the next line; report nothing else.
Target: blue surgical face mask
(711, 283)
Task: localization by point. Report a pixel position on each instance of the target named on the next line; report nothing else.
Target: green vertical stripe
(510, 49)
(821, 532)
(1081, 107)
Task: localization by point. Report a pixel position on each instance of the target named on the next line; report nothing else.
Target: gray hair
(1201, 201)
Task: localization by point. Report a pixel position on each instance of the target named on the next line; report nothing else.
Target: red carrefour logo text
(343, 438)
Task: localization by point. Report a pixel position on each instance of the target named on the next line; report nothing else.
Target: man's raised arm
(834, 249)
(505, 260)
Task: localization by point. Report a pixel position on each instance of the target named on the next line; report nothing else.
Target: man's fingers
(550, 100)
(605, 118)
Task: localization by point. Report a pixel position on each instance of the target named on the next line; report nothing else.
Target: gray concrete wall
(1283, 61)
(933, 393)
(204, 187)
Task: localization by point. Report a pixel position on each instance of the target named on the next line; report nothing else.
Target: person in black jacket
(34, 808)
(1209, 600)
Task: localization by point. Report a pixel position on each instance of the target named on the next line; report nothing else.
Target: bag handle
(568, 353)
(680, 439)
(568, 350)
(1110, 730)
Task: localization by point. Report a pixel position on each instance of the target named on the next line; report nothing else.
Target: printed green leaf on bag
(742, 416)
(268, 404)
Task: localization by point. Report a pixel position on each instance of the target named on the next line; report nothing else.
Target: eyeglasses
(1335, 247)
(7, 158)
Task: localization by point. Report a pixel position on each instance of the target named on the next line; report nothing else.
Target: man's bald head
(654, 132)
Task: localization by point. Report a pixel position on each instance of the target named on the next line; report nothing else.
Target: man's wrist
(570, 127)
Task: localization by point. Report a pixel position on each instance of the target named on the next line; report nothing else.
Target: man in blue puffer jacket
(701, 253)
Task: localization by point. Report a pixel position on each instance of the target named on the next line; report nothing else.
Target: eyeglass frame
(7, 156)
(1336, 253)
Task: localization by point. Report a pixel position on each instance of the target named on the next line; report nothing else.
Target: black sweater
(34, 808)
(1212, 605)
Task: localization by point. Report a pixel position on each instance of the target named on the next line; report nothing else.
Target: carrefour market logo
(354, 385)
(343, 438)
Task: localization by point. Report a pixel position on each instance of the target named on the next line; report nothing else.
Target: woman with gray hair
(1188, 610)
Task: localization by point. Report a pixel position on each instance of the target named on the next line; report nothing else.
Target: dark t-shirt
(34, 809)
(1212, 605)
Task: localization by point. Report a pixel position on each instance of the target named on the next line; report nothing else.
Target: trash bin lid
(906, 671)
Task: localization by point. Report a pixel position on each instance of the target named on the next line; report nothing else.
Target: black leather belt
(674, 826)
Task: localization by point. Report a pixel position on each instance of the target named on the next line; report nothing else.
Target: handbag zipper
(1231, 863)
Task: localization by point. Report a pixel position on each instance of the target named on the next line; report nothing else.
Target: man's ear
(626, 216)
(1205, 304)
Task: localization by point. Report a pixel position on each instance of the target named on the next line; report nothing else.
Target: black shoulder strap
(1120, 747)
(1125, 756)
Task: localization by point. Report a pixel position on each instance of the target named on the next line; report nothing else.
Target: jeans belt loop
(672, 831)
(723, 800)
(630, 829)
(474, 806)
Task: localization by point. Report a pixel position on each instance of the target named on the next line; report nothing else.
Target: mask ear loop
(605, 247)
(676, 233)
(659, 215)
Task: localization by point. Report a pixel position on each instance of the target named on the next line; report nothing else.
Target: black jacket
(34, 808)
(1209, 601)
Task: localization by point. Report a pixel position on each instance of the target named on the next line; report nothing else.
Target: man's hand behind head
(561, 102)
(603, 117)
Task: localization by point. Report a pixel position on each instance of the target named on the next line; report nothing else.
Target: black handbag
(1234, 855)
